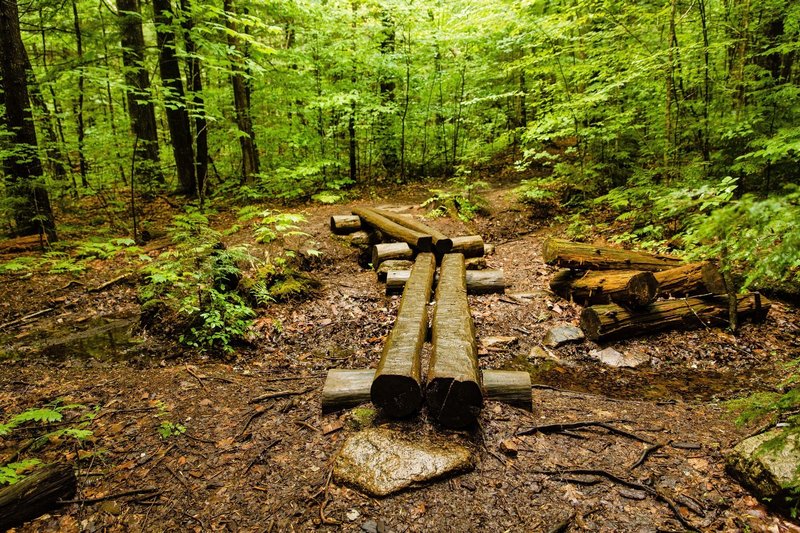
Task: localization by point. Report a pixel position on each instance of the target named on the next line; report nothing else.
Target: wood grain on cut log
(390, 250)
(397, 388)
(478, 281)
(29, 243)
(344, 224)
(625, 287)
(691, 279)
(393, 264)
(442, 244)
(607, 322)
(508, 386)
(468, 246)
(421, 242)
(581, 256)
(453, 394)
(35, 495)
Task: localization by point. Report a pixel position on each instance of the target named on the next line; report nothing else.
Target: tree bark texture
(421, 242)
(580, 256)
(625, 287)
(442, 244)
(611, 322)
(453, 394)
(36, 494)
(469, 246)
(478, 281)
(397, 388)
(344, 224)
(390, 250)
(691, 279)
(194, 84)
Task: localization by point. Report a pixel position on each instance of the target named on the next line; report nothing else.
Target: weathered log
(691, 279)
(390, 250)
(363, 238)
(478, 281)
(28, 243)
(345, 389)
(397, 388)
(344, 224)
(582, 256)
(469, 246)
(36, 494)
(421, 242)
(607, 322)
(442, 244)
(393, 264)
(625, 287)
(476, 263)
(453, 394)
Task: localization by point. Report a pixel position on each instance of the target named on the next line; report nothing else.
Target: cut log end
(397, 396)
(344, 224)
(443, 246)
(453, 403)
(641, 289)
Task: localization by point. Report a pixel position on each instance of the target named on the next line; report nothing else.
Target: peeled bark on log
(397, 388)
(390, 250)
(453, 394)
(29, 243)
(478, 281)
(393, 264)
(691, 279)
(419, 241)
(442, 244)
(35, 495)
(345, 389)
(469, 246)
(580, 256)
(344, 224)
(607, 322)
(625, 287)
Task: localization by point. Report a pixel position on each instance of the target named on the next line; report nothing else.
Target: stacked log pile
(633, 293)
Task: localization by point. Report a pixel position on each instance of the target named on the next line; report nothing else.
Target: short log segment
(442, 244)
(625, 287)
(29, 243)
(345, 389)
(691, 279)
(35, 495)
(453, 394)
(390, 250)
(469, 246)
(345, 224)
(397, 388)
(478, 281)
(393, 264)
(612, 322)
(421, 242)
(580, 256)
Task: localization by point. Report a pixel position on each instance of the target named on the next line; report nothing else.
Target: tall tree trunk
(706, 82)
(351, 119)
(195, 98)
(669, 90)
(387, 85)
(23, 168)
(174, 98)
(111, 113)
(241, 98)
(79, 104)
(140, 104)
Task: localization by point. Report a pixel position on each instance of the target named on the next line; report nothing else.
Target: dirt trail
(265, 466)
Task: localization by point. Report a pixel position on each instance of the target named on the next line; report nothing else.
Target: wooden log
(28, 243)
(580, 256)
(345, 224)
(442, 244)
(478, 281)
(393, 264)
(421, 242)
(469, 246)
(691, 279)
(476, 263)
(36, 494)
(610, 322)
(361, 238)
(345, 389)
(453, 395)
(390, 250)
(625, 287)
(397, 388)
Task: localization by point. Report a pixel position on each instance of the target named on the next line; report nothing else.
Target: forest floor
(265, 466)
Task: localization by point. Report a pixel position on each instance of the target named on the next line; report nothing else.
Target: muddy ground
(241, 466)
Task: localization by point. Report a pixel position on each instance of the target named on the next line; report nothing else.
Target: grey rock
(561, 335)
(382, 461)
(611, 357)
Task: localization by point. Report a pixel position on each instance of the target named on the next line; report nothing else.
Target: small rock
(488, 249)
(497, 342)
(362, 417)
(468, 485)
(333, 426)
(561, 335)
(353, 514)
(611, 357)
(370, 526)
(509, 447)
(632, 494)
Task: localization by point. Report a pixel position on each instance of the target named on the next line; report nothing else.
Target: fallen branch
(151, 492)
(27, 317)
(195, 376)
(558, 428)
(109, 283)
(647, 451)
(279, 394)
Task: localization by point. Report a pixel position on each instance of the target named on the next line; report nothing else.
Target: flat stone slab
(562, 335)
(769, 464)
(382, 461)
(611, 357)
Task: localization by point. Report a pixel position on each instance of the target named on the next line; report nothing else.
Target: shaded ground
(265, 466)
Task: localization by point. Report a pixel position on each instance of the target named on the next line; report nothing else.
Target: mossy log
(580, 256)
(421, 242)
(453, 395)
(442, 244)
(390, 250)
(36, 494)
(691, 279)
(344, 224)
(397, 388)
(612, 322)
(625, 287)
(468, 246)
(29, 243)
(393, 264)
(478, 281)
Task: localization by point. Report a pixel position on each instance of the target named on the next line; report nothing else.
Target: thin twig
(325, 519)
(557, 428)
(27, 317)
(647, 451)
(280, 394)
(260, 410)
(109, 283)
(195, 376)
(152, 491)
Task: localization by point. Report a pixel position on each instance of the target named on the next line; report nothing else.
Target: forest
(195, 198)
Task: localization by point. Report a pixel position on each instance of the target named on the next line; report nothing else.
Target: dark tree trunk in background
(195, 86)
(23, 167)
(180, 131)
(79, 104)
(140, 104)
(386, 140)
